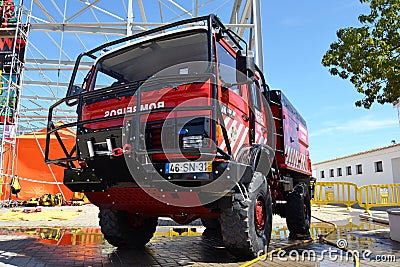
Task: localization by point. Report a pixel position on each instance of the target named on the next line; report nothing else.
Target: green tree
(369, 55)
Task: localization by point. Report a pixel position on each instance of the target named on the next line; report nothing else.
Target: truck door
(233, 100)
(258, 116)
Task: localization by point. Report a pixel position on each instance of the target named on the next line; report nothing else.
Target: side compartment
(292, 136)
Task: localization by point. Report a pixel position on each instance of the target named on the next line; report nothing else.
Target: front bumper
(152, 175)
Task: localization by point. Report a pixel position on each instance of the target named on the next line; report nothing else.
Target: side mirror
(76, 90)
(245, 66)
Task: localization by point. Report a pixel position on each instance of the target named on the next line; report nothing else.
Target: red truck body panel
(292, 135)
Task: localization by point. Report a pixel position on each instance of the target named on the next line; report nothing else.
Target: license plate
(188, 167)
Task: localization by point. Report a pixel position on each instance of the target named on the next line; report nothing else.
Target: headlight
(192, 141)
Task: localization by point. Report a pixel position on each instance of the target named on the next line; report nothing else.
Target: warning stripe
(238, 136)
(241, 134)
(228, 125)
(243, 137)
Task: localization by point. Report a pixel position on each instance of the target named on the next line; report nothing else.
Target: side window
(227, 69)
(378, 166)
(102, 79)
(359, 169)
(81, 79)
(348, 170)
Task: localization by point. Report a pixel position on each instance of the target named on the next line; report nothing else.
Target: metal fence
(335, 193)
(347, 193)
(378, 195)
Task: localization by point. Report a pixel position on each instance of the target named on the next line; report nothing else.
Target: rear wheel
(298, 212)
(125, 230)
(246, 228)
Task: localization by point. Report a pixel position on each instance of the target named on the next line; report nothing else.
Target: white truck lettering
(130, 109)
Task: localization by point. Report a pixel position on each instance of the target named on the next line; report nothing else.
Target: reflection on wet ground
(44, 246)
(370, 242)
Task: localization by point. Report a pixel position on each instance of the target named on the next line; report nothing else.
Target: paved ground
(87, 217)
(78, 242)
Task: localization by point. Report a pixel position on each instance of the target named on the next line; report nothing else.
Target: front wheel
(125, 230)
(213, 228)
(246, 227)
(298, 212)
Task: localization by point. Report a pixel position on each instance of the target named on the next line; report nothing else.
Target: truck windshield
(138, 62)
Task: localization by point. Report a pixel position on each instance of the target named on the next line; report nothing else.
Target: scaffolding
(14, 31)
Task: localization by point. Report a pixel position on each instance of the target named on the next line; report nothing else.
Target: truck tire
(124, 231)
(246, 227)
(213, 228)
(298, 212)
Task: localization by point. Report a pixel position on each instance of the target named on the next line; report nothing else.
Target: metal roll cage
(212, 21)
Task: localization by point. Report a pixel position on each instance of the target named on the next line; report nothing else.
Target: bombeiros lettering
(127, 110)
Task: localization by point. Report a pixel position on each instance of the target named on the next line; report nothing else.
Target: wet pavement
(184, 246)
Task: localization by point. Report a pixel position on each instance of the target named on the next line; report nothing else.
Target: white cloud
(365, 124)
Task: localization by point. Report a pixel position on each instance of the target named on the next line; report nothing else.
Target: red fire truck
(178, 121)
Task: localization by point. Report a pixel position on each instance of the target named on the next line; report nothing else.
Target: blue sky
(296, 34)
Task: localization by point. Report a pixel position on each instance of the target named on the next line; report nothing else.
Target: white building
(376, 166)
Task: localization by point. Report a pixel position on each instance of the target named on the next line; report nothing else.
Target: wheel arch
(260, 158)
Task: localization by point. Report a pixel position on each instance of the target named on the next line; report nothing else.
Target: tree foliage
(369, 55)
